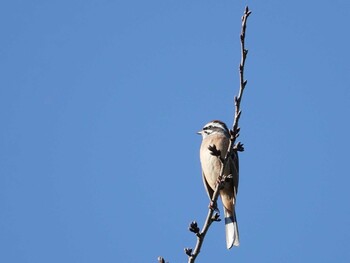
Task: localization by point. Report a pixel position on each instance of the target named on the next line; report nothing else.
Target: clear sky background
(100, 102)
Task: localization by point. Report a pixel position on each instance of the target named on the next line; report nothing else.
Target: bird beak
(199, 133)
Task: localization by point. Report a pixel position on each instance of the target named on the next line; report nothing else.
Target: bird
(216, 134)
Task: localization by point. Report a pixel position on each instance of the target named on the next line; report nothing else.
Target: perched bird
(216, 133)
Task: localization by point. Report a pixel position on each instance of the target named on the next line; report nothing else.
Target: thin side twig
(192, 254)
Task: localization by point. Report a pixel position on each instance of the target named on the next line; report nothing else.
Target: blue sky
(99, 105)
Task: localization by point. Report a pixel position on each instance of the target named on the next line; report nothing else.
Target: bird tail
(231, 227)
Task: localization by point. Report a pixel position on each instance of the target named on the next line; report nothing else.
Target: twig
(192, 254)
(243, 82)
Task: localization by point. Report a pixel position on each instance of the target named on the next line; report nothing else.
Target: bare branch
(243, 82)
(211, 217)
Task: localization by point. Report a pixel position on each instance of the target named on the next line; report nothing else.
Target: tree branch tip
(247, 12)
(216, 217)
(188, 251)
(194, 227)
(238, 147)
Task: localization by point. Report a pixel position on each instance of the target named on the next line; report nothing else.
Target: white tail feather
(232, 236)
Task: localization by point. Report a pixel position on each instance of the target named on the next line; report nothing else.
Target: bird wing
(235, 172)
(210, 191)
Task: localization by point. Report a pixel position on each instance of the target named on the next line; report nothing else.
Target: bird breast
(211, 165)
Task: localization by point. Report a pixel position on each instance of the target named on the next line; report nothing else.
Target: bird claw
(220, 182)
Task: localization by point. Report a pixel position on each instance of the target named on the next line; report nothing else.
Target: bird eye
(208, 127)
